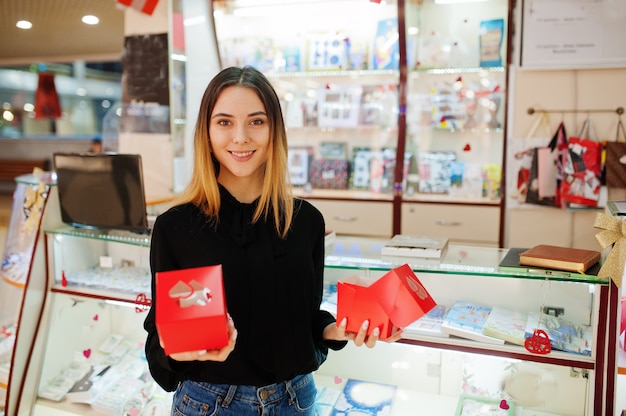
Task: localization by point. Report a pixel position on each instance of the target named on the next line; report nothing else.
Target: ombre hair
(276, 200)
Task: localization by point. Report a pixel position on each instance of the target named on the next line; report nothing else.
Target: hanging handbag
(544, 181)
(583, 168)
(615, 162)
(522, 151)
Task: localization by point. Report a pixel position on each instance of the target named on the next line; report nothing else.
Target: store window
(87, 94)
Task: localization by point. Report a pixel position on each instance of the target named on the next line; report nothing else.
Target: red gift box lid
(397, 297)
(404, 298)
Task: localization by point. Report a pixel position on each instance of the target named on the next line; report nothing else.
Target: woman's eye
(223, 122)
(257, 122)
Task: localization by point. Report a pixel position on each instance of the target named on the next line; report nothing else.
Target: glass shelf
(360, 253)
(460, 70)
(118, 236)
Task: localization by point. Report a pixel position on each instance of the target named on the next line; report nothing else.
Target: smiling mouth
(242, 154)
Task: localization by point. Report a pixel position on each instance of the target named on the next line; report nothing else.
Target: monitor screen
(101, 190)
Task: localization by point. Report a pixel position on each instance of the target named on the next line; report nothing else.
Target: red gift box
(191, 310)
(393, 301)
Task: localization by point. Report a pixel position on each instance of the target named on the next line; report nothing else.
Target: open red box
(191, 310)
(394, 300)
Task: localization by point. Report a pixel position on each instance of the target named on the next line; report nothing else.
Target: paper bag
(615, 163)
(583, 168)
(521, 155)
(546, 170)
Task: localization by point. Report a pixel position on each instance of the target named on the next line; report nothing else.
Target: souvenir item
(582, 169)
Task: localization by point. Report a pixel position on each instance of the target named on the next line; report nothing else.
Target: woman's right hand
(210, 355)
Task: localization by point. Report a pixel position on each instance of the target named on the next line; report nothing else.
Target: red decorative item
(87, 353)
(190, 309)
(504, 405)
(142, 303)
(96, 317)
(47, 104)
(392, 301)
(538, 343)
(63, 279)
(144, 6)
(467, 147)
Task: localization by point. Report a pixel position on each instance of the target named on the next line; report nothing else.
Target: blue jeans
(291, 397)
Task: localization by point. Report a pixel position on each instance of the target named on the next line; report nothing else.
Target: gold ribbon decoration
(613, 232)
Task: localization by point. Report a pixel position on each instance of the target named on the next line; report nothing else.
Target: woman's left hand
(338, 333)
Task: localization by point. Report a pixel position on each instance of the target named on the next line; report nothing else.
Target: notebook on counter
(415, 246)
(511, 262)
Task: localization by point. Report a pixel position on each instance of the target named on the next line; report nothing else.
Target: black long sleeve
(273, 290)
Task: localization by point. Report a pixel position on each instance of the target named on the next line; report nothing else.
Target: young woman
(238, 211)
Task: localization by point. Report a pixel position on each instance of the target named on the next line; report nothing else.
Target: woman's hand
(210, 355)
(338, 333)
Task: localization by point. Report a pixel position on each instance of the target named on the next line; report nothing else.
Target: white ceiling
(58, 35)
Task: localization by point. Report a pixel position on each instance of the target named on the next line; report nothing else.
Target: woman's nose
(240, 135)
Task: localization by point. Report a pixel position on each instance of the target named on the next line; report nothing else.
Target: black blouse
(273, 290)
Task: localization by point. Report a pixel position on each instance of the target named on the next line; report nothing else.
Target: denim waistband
(264, 394)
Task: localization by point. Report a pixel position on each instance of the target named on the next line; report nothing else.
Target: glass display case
(456, 118)
(97, 296)
(439, 373)
(99, 289)
(398, 110)
(338, 82)
(21, 286)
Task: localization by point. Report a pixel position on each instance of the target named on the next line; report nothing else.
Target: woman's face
(239, 134)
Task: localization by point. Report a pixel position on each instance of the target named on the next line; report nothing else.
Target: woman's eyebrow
(256, 113)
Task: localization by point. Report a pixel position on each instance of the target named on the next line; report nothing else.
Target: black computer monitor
(104, 191)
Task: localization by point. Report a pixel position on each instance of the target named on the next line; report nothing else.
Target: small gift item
(538, 343)
(191, 310)
(142, 303)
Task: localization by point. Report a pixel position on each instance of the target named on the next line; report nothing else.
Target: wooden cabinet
(365, 218)
(529, 226)
(469, 224)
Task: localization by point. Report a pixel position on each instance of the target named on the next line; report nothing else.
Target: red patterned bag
(583, 168)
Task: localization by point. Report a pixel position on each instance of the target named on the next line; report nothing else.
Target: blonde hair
(276, 200)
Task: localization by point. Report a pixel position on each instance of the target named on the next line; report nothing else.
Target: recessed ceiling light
(24, 24)
(90, 20)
